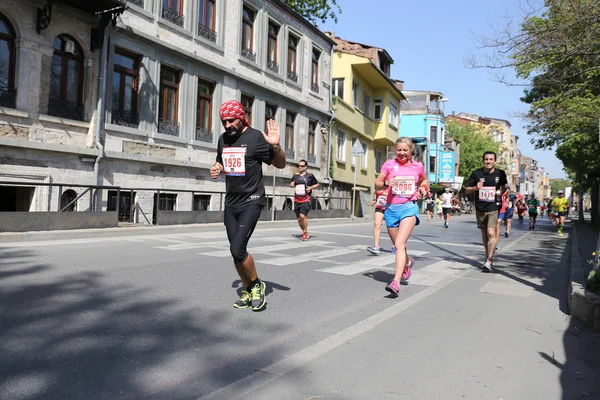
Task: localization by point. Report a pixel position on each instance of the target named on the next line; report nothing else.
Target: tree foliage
(316, 10)
(557, 184)
(473, 144)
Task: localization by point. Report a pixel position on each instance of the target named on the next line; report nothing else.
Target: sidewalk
(583, 304)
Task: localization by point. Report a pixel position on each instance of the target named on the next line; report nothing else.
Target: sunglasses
(301, 166)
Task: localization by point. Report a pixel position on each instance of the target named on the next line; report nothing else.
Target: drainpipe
(329, 134)
(100, 117)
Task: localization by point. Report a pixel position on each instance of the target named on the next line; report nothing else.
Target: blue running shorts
(394, 213)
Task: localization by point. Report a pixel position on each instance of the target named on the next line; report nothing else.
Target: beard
(234, 130)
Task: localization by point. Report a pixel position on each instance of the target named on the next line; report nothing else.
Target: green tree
(316, 10)
(557, 184)
(472, 146)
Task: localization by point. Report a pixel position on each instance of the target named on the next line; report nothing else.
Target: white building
(168, 70)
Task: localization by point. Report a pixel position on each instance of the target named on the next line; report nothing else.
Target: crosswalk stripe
(306, 257)
(219, 244)
(271, 248)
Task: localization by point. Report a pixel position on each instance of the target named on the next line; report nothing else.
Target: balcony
(249, 54)
(168, 127)
(173, 16)
(273, 66)
(314, 87)
(65, 109)
(204, 135)
(8, 97)
(311, 158)
(207, 33)
(290, 154)
(125, 118)
(292, 76)
(139, 3)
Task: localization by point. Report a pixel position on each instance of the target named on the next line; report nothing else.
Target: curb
(583, 304)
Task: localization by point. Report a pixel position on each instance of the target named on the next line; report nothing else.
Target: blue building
(422, 119)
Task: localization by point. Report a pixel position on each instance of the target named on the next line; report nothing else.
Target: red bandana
(233, 109)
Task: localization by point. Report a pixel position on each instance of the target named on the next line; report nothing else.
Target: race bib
(234, 161)
(487, 194)
(381, 201)
(300, 189)
(403, 185)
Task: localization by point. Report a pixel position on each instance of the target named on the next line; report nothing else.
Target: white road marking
(409, 240)
(270, 248)
(218, 244)
(307, 257)
(265, 376)
(370, 263)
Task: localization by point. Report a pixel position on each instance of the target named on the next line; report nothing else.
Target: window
(248, 16)
(125, 88)
(377, 107)
(337, 87)
(247, 102)
(206, 19)
(270, 113)
(169, 101)
(341, 145)
(201, 202)
(204, 131)
(292, 58)
(385, 67)
(366, 104)
(312, 148)
(316, 55)
(66, 79)
(363, 163)
(355, 94)
(432, 165)
(172, 11)
(433, 133)
(272, 62)
(434, 104)
(290, 120)
(393, 115)
(7, 64)
(378, 160)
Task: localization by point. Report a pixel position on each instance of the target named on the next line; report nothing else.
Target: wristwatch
(277, 147)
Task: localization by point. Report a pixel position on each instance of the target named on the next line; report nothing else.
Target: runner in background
(429, 205)
(447, 206)
(521, 209)
(561, 205)
(532, 207)
(380, 202)
(304, 183)
(438, 207)
(511, 200)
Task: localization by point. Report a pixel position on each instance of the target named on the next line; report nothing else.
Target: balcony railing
(314, 87)
(204, 135)
(8, 97)
(207, 33)
(125, 118)
(139, 3)
(273, 66)
(249, 54)
(292, 76)
(290, 154)
(65, 109)
(311, 158)
(168, 127)
(173, 16)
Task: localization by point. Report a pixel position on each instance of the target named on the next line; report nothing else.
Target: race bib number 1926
(234, 161)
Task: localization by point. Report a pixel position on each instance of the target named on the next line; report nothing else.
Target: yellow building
(366, 105)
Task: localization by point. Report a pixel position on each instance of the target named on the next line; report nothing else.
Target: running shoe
(393, 287)
(445, 225)
(257, 296)
(487, 266)
(393, 249)
(305, 236)
(243, 301)
(560, 234)
(506, 234)
(407, 269)
(373, 250)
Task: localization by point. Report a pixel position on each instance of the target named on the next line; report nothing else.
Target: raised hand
(272, 136)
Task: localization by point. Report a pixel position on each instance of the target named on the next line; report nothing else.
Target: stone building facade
(168, 69)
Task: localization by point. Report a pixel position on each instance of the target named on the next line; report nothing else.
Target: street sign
(447, 167)
(357, 149)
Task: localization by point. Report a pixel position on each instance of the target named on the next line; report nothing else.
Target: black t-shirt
(487, 199)
(242, 156)
(301, 183)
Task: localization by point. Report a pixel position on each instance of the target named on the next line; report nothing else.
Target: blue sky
(429, 41)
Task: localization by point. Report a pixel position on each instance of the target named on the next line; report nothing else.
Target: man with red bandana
(407, 182)
(240, 154)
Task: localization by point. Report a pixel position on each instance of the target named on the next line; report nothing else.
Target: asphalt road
(151, 317)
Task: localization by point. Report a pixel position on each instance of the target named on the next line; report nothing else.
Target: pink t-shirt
(403, 180)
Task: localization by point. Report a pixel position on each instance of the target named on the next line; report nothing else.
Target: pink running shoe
(407, 269)
(393, 287)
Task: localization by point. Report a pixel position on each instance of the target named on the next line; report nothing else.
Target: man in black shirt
(240, 154)
(488, 183)
(303, 182)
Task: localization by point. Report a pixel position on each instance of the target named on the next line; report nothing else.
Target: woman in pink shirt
(407, 182)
